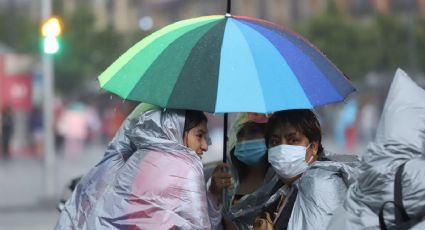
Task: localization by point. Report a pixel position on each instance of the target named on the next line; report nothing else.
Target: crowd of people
(279, 175)
(7, 127)
(76, 125)
(79, 123)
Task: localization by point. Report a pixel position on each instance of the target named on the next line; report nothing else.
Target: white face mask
(288, 160)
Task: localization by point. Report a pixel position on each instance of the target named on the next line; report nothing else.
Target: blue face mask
(251, 152)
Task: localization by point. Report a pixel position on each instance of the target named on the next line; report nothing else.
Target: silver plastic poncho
(242, 214)
(147, 180)
(400, 138)
(334, 176)
(337, 174)
(321, 190)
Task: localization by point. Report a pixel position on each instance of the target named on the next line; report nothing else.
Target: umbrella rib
(316, 70)
(121, 77)
(186, 65)
(294, 36)
(283, 59)
(134, 50)
(256, 69)
(165, 50)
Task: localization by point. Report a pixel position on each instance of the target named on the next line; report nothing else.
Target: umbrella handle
(229, 6)
(225, 121)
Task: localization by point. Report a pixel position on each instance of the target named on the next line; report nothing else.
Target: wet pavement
(23, 204)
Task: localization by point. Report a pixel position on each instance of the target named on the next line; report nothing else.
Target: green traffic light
(50, 30)
(50, 44)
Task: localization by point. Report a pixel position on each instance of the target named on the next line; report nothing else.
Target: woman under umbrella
(151, 176)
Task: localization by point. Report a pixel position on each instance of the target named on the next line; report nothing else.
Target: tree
(86, 52)
(379, 44)
(24, 36)
(420, 39)
(348, 45)
(392, 43)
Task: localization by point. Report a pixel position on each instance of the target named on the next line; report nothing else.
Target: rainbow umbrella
(222, 64)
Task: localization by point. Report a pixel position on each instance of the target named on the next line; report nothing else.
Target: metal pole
(49, 148)
(1, 104)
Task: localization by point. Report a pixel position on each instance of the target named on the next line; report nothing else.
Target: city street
(326, 75)
(22, 203)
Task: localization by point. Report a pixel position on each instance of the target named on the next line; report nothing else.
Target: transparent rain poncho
(338, 172)
(400, 138)
(322, 189)
(243, 214)
(147, 179)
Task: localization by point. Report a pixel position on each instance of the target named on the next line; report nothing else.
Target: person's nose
(204, 145)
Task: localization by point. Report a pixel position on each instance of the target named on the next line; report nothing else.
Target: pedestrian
(7, 131)
(111, 122)
(37, 133)
(368, 120)
(151, 176)
(252, 178)
(73, 126)
(313, 186)
(346, 127)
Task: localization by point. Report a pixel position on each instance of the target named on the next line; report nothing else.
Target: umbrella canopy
(226, 64)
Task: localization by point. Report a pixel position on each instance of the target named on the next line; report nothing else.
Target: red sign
(1, 82)
(15, 82)
(17, 92)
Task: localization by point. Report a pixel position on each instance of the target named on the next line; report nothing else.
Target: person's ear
(315, 148)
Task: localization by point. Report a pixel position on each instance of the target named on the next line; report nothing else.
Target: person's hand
(263, 222)
(220, 179)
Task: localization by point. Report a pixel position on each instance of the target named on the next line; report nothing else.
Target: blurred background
(56, 122)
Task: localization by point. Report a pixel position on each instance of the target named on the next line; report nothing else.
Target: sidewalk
(22, 201)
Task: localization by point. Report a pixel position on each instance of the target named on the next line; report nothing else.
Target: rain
(213, 114)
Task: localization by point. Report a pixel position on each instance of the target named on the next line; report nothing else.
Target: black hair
(248, 130)
(193, 118)
(303, 120)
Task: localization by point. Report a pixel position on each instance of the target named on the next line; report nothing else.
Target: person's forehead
(201, 127)
(284, 130)
(250, 136)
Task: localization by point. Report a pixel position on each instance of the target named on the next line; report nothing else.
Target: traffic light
(50, 30)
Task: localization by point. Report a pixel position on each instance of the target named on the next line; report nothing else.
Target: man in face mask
(253, 180)
(251, 152)
(291, 152)
(314, 187)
